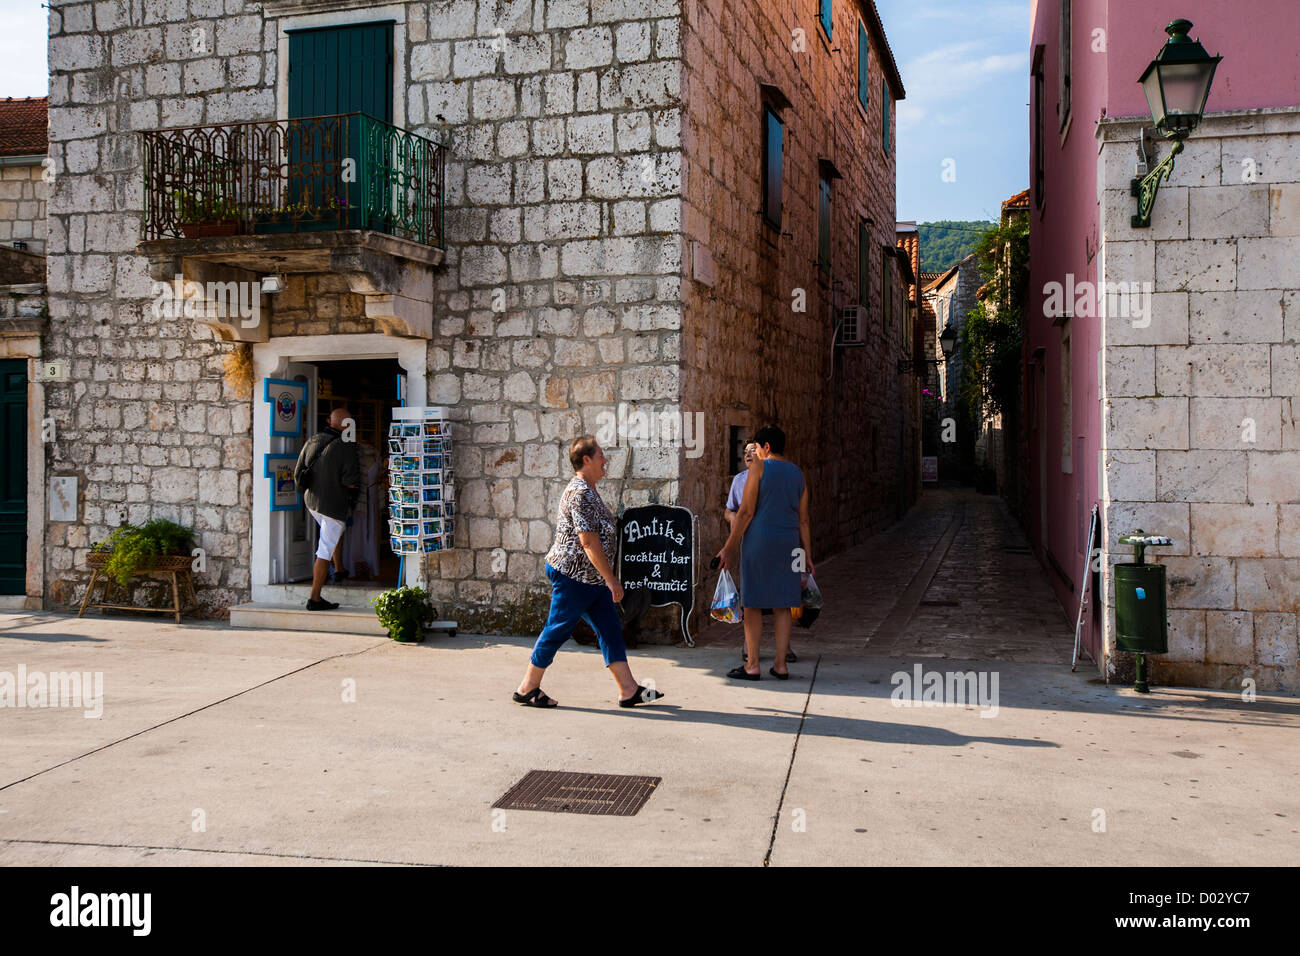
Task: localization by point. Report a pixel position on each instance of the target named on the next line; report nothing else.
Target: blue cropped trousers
(571, 602)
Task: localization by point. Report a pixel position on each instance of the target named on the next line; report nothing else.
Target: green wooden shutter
(333, 71)
(824, 14)
(13, 476)
(884, 114)
(342, 70)
(864, 71)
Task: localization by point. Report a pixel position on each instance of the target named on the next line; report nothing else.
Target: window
(864, 70)
(884, 114)
(824, 15)
(1040, 179)
(1067, 401)
(864, 264)
(824, 224)
(772, 140)
(737, 435)
(1063, 100)
(886, 289)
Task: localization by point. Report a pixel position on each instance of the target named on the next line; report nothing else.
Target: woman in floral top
(583, 586)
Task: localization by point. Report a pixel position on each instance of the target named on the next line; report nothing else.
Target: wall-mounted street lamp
(947, 342)
(1176, 84)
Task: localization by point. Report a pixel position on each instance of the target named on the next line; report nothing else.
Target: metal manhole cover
(559, 791)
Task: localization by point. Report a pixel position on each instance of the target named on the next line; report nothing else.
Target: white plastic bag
(726, 601)
(812, 595)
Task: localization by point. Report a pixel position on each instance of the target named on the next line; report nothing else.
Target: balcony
(345, 194)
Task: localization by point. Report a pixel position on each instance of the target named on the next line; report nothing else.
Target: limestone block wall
(1201, 440)
(561, 295)
(23, 191)
(748, 357)
(145, 420)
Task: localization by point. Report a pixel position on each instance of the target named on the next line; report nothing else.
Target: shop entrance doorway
(369, 389)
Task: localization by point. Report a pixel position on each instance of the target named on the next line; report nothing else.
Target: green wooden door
(333, 71)
(13, 476)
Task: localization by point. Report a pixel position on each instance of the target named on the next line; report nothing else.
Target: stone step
(265, 615)
(295, 617)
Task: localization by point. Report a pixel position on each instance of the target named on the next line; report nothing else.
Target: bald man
(335, 471)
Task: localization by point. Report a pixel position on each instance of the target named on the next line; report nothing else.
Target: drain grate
(559, 791)
(941, 603)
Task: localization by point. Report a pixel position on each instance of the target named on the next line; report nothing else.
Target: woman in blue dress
(771, 535)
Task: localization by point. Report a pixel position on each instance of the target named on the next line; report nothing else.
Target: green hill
(947, 242)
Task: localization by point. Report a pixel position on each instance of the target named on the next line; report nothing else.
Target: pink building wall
(1258, 71)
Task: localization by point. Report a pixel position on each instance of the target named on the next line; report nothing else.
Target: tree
(992, 336)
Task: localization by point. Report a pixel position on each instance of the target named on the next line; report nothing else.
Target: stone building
(1162, 360)
(566, 214)
(23, 178)
(951, 295)
(23, 189)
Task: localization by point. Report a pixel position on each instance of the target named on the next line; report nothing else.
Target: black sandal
(643, 695)
(773, 671)
(739, 673)
(535, 698)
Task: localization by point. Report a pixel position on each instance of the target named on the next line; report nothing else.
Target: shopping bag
(726, 601)
(812, 595)
(811, 606)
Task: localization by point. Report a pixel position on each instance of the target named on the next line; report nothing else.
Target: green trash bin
(1141, 622)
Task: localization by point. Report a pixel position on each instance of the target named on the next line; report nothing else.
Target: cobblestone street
(953, 579)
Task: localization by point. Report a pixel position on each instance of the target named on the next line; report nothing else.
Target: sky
(965, 67)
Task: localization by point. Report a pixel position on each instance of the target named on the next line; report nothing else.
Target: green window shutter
(864, 72)
(342, 70)
(864, 265)
(884, 114)
(824, 15)
(824, 225)
(772, 162)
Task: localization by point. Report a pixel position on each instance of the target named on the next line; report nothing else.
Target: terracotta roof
(939, 278)
(24, 126)
(1019, 201)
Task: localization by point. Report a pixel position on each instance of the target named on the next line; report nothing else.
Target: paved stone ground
(223, 746)
(953, 579)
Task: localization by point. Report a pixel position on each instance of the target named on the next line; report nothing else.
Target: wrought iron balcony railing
(348, 171)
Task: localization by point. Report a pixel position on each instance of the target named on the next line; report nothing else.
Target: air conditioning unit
(851, 326)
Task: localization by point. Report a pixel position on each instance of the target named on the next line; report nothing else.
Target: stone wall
(23, 191)
(1201, 439)
(561, 297)
(748, 356)
(566, 293)
(145, 419)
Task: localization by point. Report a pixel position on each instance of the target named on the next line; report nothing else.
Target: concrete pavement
(248, 734)
(234, 747)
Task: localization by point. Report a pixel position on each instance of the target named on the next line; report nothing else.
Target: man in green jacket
(335, 472)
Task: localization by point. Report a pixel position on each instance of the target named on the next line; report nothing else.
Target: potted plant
(287, 217)
(205, 215)
(156, 545)
(404, 611)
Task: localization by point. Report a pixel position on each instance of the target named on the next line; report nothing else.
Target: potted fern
(404, 611)
(157, 545)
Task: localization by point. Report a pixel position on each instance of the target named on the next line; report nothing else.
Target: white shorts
(331, 529)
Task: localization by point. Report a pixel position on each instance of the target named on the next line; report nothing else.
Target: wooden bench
(178, 567)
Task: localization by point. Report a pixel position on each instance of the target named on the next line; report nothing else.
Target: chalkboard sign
(656, 553)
